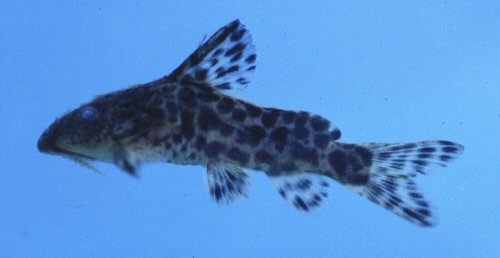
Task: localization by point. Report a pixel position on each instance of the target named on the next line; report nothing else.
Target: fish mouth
(46, 144)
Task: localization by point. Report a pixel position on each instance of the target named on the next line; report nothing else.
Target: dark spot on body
(225, 105)
(365, 154)
(338, 161)
(208, 97)
(300, 132)
(301, 119)
(187, 125)
(264, 157)
(239, 115)
(251, 135)
(155, 113)
(195, 59)
(289, 116)
(335, 134)
(237, 155)
(321, 140)
(208, 120)
(213, 149)
(319, 124)
(177, 138)
(226, 129)
(269, 118)
(356, 166)
(358, 179)
(201, 142)
(279, 134)
(309, 155)
(287, 167)
(253, 111)
(172, 111)
(187, 96)
(280, 147)
(202, 87)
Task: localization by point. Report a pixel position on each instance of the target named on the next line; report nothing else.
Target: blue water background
(381, 72)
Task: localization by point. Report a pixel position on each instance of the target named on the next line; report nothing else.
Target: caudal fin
(391, 182)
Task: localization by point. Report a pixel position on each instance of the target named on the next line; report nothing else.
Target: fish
(188, 117)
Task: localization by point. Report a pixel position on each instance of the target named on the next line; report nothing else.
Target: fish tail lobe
(388, 177)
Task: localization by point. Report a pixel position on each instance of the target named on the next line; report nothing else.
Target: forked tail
(391, 182)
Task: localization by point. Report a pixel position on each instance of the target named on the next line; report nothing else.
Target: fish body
(187, 118)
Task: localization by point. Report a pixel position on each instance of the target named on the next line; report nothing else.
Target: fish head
(108, 126)
(82, 134)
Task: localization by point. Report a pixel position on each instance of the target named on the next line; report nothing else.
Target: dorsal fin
(225, 61)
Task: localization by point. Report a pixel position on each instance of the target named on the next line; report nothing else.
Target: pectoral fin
(125, 160)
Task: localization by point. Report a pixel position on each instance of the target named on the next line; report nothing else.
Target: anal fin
(305, 191)
(226, 182)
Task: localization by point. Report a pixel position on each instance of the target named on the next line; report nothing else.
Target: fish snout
(46, 142)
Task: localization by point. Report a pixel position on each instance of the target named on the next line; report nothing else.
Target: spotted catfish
(187, 118)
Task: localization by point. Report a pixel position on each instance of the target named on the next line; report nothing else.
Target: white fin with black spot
(225, 61)
(305, 191)
(226, 182)
(391, 183)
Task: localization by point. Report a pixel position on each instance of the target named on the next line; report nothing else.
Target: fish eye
(88, 113)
